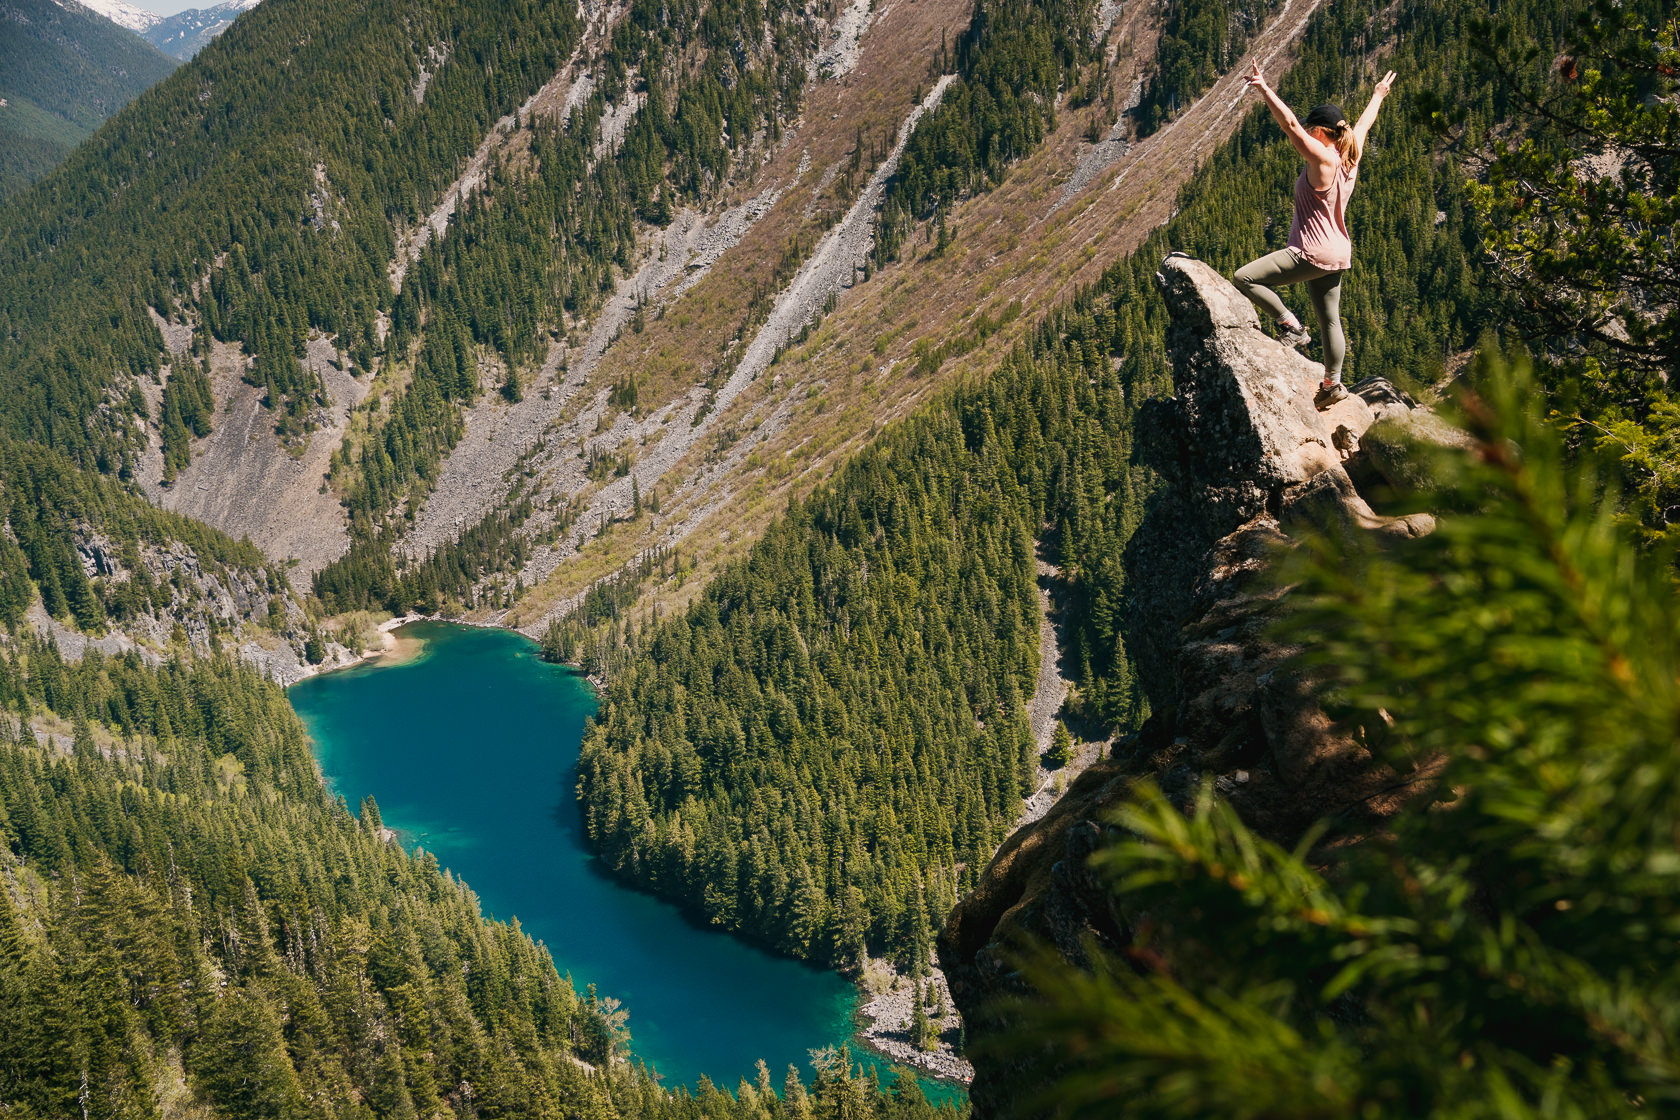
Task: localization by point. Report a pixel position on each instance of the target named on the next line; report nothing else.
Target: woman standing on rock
(1319, 249)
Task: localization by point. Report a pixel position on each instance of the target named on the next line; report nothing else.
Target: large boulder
(1238, 439)
(1245, 398)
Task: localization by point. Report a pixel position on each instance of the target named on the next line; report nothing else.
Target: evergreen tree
(1578, 210)
(923, 1034)
(1504, 949)
(371, 820)
(1061, 748)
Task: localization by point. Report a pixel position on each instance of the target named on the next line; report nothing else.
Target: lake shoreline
(393, 649)
(886, 1004)
(877, 1021)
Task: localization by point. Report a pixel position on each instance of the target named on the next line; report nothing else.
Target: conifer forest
(800, 373)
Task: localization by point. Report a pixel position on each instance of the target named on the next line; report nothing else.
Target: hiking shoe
(1296, 337)
(1328, 395)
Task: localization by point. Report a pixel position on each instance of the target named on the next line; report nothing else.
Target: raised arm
(1369, 116)
(1321, 157)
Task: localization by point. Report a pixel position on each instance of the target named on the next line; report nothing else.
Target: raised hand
(1369, 116)
(1254, 79)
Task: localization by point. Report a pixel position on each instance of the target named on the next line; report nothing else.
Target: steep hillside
(63, 70)
(677, 281)
(773, 361)
(671, 394)
(530, 315)
(754, 757)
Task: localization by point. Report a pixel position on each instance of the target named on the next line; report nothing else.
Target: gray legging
(1287, 266)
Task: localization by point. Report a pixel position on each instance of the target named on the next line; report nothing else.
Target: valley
(678, 558)
(469, 745)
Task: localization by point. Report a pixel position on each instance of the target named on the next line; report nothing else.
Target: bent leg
(1326, 293)
(1258, 278)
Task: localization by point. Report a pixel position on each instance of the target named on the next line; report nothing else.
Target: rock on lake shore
(887, 1017)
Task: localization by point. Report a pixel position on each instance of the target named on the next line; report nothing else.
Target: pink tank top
(1320, 228)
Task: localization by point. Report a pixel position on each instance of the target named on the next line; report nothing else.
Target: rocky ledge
(888, 1016)
(1246, 462)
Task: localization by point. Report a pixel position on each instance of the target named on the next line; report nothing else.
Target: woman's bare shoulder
(1321, 173)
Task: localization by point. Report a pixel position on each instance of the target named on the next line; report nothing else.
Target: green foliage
(829, 744)
(368, 576)
(1200, 40)
(53, 511)
(190, 886)
(725, 767)
(1578, 212)
(589, 634)
(1061, 748)
(1508, 947)
(199, 199)
(924, 1035)
(1011, 62)
(63, 70)
(187, 411)
(509, 274)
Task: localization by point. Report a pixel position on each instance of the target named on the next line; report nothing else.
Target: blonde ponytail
(1347, 143)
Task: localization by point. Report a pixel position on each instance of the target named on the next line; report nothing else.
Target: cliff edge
(1246, 463)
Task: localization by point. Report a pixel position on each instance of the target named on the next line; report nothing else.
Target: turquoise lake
(470, 748)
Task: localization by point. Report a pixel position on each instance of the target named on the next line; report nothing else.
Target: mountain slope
(706, 713)
(646, 250)
(63, 70)
(753, 370)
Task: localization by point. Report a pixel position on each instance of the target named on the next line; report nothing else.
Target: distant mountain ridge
(181, 35)
(123, 14)
(186, 33)
(63, 71)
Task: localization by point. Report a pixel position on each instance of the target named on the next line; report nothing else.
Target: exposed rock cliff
(1246, 461)
(166, 596)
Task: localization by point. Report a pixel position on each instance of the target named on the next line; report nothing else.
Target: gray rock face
(1247, 463)
(1245, 399)
(1239, 439)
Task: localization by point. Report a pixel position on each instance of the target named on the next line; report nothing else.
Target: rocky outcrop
(192, 602)
(1239, 442)
(1246, 462)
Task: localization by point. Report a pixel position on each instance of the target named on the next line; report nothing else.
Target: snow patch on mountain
(121, 13)
(181, 35)
(186, 33)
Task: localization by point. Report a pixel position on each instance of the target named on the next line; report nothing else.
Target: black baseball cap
(1326, 116)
